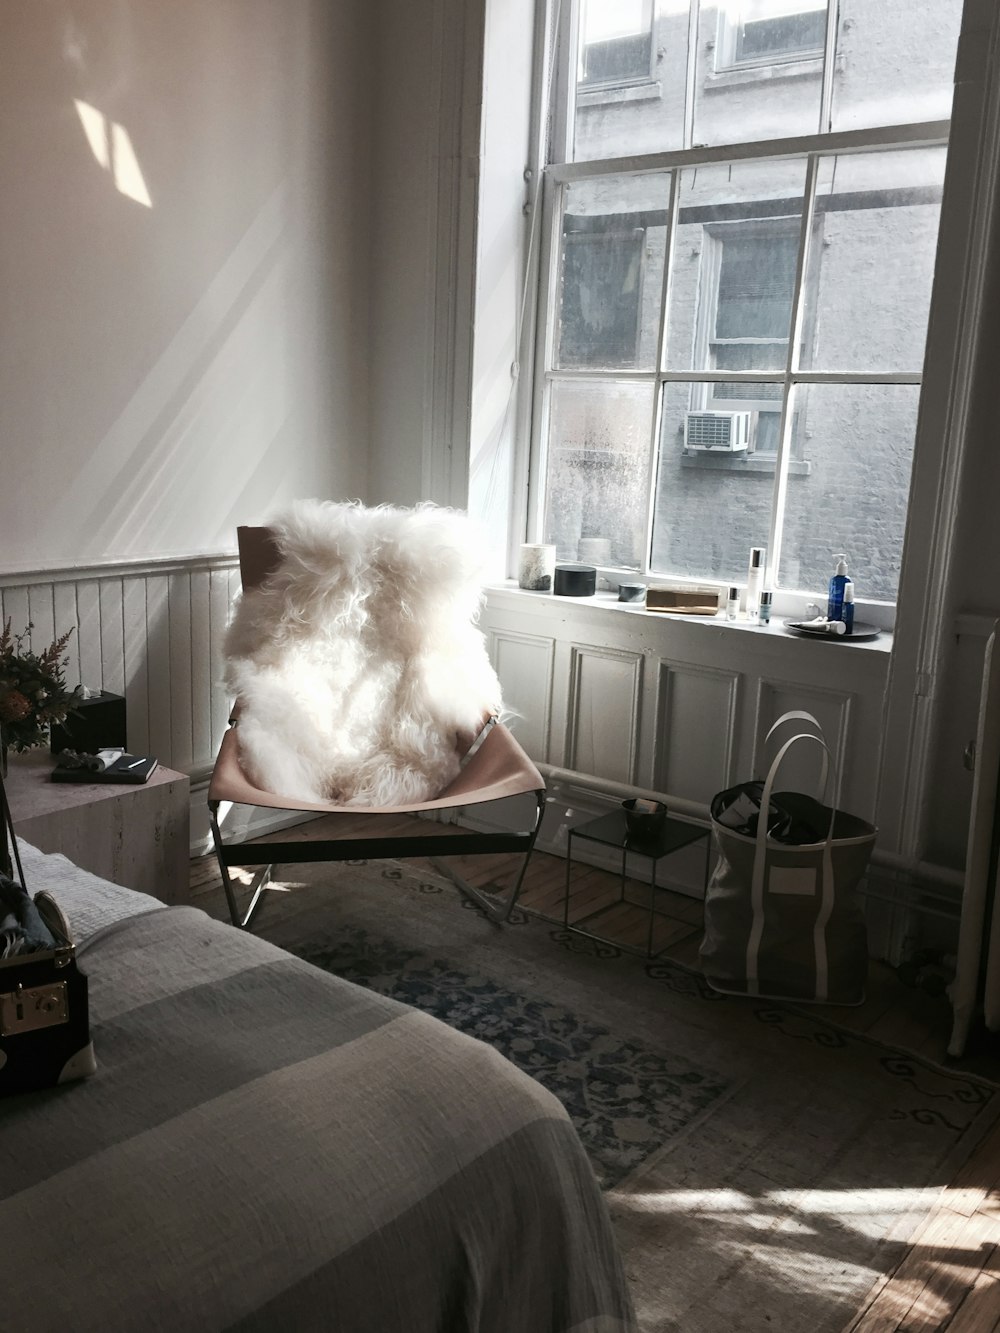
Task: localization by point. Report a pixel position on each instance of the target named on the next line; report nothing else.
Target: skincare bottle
(732, 603)
(755, 581)
(764, 614)
(847, 615)
(839, 581)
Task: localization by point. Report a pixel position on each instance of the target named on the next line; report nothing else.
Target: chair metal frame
(495, 757)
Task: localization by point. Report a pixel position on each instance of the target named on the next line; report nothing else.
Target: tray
(862, 630)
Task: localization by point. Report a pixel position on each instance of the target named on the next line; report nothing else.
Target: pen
(136, 764)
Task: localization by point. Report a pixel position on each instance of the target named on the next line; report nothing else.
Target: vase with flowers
(33, 691)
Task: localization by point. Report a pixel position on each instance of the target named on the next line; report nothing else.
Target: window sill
(604, 604)
(649, 90)
(742, 462)
(737, 76)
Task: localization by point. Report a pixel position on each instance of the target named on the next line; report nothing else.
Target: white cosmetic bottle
(755, 581)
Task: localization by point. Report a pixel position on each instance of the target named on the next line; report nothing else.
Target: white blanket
(357, 664)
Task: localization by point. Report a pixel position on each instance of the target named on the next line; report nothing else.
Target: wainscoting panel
(524, 664)
(136, 664)
(152, 631)
(604, 713)
(64, 616)
(801, 767)
(696, 729)
(679, 705)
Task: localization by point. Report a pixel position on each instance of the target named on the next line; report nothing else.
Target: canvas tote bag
(782, 919)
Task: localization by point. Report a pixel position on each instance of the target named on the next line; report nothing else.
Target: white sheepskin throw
(357, 664)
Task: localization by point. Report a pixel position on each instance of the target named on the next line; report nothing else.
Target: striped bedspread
(268, 1147)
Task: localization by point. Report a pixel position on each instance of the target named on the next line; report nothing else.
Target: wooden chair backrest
(259, 555)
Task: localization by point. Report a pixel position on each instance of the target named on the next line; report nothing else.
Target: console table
(137, 836)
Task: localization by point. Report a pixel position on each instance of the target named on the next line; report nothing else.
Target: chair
(494, 768)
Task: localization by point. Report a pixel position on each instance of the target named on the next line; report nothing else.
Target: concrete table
(137, 836)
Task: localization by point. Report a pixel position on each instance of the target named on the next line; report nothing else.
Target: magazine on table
(112, 765)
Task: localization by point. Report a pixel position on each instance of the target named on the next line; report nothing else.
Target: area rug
(763, 1167)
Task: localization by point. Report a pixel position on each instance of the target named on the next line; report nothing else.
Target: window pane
(858, 439)
(895, 63)
(871, 264)
(713, 491)
(611, 273)
(630, 77)
(733, 272)
(775, 32)
(759, 69)
(598, 470)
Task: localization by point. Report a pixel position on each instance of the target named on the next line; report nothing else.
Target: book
(123, 767)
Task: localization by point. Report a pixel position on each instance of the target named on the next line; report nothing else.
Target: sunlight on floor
(801, 1236)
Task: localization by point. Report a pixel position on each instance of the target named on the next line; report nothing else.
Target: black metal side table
(610, 831)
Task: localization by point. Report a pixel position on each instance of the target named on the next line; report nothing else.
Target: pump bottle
(839, 581)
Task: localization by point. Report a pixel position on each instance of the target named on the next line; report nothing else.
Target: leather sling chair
(495, 768)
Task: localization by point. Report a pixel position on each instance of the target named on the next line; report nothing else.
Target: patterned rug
(763, 1167)
(626, 1102)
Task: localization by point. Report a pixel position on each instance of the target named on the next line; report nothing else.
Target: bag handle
(760, 863)
(799, 715)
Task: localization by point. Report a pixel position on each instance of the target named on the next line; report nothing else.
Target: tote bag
(782, 918)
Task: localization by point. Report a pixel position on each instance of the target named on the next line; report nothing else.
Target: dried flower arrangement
(33, 689)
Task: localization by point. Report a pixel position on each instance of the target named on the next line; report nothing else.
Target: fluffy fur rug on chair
(360, 673)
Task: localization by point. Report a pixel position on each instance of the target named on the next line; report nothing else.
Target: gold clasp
(24, 1010)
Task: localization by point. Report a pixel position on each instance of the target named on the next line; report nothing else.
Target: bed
(266, 1146)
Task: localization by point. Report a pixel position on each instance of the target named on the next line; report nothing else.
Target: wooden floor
(949, 1278)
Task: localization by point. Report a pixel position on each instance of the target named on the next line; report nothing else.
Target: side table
(610, 831)
(137, 836)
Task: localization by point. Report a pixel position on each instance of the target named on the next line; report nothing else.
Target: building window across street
(616, 43)
(758, 32)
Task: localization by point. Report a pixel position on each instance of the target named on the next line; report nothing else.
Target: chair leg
(258, 886)
(497, 912)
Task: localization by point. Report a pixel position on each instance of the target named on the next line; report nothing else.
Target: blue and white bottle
(847, 611)
(839, 581)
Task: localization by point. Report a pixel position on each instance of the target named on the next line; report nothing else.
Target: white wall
(423, 237)
(184, 222)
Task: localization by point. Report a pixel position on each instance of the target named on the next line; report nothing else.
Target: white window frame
(559, 174)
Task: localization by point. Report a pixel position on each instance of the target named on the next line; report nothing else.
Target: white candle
(536, 567)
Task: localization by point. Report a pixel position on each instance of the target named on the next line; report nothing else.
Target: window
(767, 32)
(748, 288)
(616, 43)
(733, 324)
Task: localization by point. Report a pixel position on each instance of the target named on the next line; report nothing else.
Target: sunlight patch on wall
(112, 148)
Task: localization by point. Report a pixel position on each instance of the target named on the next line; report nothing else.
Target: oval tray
(862, 630)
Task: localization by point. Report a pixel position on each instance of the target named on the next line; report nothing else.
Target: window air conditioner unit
(717, 432)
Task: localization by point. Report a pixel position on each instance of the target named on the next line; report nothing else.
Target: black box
(97, 723)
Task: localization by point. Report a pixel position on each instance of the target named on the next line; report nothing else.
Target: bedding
(266, 1146)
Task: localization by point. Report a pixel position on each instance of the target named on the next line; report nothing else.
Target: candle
(536, 566)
